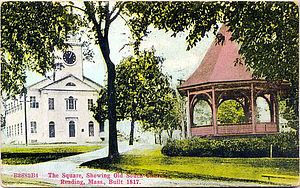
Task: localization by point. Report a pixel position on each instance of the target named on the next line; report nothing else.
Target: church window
(33, 127)
(71, 103)
(18, 129)
(90, 104)
(15, 129)
(91, 128)
(21, 128)
(51, 129)
(33, 103)
(71, 129)
(12, 107)
(51, 103)
(70, 84)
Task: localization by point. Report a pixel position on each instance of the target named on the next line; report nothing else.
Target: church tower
(69, 62)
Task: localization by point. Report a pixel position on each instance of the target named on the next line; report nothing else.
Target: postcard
(149, 94)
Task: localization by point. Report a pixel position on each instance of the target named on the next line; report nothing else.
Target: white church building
(55, 110)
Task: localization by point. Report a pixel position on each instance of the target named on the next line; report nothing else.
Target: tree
(267, 32)
(135, 75)
(100, 110)
(262, 28)
(202, 113)
(138, 79)
(163, 111)
(163, 114)
(231, 111)
(30, 32)
(181, 105)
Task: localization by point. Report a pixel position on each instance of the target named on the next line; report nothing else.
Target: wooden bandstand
(217, 79)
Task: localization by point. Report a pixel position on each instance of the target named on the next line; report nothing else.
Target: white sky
(179, 63)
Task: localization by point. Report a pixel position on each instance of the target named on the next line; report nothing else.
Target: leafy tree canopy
(136, 77)
(267, 32)
(262, 28)
(142, 91)
(30, 32)
(231, 111)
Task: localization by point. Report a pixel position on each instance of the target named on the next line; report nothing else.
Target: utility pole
(25, 114)
(271, 151)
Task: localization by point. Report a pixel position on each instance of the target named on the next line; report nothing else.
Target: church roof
(218, 64)
(85, 84)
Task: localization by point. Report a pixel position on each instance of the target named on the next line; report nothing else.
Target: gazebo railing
(267, 127)
(235, 129)
(205, 130)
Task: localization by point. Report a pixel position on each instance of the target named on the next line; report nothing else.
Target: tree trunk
(112, 117)
(111, 102)
(171, 134)
(159, 136)
(102, 37)
(131, 133)
(183, 128)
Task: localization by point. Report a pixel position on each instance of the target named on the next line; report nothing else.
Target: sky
(179, 63)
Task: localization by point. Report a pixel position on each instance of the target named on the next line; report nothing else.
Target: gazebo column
(275, 110)
(276, 106)
(189, 111)
(214, 106)
(253, 104)
(271, 108)
(247, 111)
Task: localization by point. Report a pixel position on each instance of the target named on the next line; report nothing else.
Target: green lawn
(215, 168)
(32, 155)
(21, 182)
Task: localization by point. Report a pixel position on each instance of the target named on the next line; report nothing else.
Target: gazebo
(217, 79)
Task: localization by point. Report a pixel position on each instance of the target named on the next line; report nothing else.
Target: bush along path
(282, 145)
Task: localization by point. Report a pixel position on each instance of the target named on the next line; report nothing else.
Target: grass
(215, 168)
(32, 155)
(16, 182)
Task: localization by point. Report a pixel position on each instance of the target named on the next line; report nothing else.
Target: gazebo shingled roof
(218, 64)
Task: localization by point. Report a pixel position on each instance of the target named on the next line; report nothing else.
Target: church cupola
(69, 61)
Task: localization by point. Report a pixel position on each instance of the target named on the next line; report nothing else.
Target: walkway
(67, 168)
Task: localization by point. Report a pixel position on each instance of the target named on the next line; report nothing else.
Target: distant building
(55, 110)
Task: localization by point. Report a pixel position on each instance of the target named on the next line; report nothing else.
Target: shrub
(283, 145)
